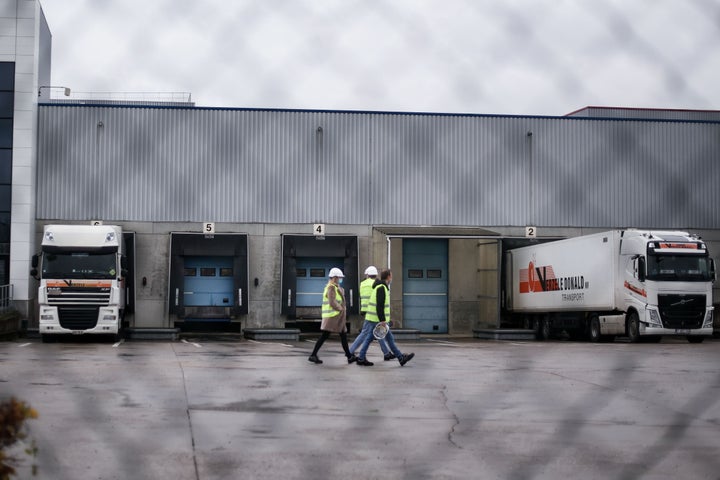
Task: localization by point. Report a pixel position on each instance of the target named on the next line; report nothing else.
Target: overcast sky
(537, 57)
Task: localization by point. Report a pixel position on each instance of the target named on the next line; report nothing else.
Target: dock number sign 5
(208, 228)
(319, 229)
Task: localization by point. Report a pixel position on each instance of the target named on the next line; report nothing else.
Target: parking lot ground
(462, 408)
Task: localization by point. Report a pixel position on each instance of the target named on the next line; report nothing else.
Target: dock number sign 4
(319, 229)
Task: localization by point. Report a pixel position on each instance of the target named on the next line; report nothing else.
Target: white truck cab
(667, 287)
(82, 271)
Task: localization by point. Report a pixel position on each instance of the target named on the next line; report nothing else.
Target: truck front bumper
(651, 324)
(107, 322)
(646, 329)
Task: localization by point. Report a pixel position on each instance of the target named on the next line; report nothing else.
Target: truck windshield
(79, 265)
(678, 267)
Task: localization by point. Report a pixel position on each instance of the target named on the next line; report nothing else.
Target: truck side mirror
(34, 262)
(641, 269)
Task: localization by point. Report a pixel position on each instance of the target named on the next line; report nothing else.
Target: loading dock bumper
(292, 334)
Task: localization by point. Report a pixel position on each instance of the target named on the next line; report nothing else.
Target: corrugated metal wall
(165, 164)
(648, 114)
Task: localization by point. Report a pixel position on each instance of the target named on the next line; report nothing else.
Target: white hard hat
(371, 271)
(336, 272)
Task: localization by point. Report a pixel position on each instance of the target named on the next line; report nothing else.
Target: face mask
(340, 281)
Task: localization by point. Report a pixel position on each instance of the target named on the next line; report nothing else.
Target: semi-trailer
(634, 283)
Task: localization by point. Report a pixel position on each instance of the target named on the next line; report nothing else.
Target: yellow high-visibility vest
(371, 314)
(327, 310)
(366, 287)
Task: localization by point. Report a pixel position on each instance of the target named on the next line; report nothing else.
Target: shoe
(352, 358)
(314, 359)
(406, 358)
(365, 363)
(389, 356)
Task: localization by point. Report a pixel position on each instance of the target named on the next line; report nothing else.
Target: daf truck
(82, 270)
(639, 284)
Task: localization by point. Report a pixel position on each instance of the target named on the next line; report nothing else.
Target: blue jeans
(361, 339)
(367, 330)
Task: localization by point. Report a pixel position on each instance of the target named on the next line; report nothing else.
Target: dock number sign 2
(319, 229)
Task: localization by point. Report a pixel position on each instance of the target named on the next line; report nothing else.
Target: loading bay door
(425, 285)
(306, 263)
(208, 282)
(312, 276)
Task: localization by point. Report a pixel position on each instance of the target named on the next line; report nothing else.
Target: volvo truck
(639, 284)
(82, 270)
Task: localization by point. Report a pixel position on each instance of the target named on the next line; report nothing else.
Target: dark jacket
(380, 300)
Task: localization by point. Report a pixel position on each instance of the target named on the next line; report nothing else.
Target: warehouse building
(235, 216)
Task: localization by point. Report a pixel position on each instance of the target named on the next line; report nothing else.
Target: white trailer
(82, 270)
(623, 282)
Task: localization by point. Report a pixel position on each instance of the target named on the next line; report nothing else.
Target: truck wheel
(633, 327)
(694, 339)
(595, 329)
(527, 323)
(545, 328)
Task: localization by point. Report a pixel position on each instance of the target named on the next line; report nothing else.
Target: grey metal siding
(155, 164)
(648, 114)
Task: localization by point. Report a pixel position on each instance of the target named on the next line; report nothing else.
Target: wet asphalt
(222, 408)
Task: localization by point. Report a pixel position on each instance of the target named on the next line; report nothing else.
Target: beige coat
(335, 324)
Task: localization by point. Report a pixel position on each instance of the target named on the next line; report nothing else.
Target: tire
(545, 328)
(527, 323)
(633, 327)
(595, 335)
(693, 339)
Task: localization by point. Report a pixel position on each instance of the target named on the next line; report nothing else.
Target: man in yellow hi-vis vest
(366, 287)
(379, 311)
(333, 316)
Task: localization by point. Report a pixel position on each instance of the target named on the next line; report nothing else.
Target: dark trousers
(325, 335)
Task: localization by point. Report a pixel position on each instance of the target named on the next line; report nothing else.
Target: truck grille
(78, 317)
(682, 311)
(78, 295)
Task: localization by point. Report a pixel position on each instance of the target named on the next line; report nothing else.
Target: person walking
(366, 287)
(333, 316)
(379, 311)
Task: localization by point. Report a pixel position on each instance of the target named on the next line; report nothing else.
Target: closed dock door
(425, 285)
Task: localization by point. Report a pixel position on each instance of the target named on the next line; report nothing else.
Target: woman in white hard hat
(333, 316)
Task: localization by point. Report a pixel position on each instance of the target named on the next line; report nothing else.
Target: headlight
(109, 318)
(49, 236)
(708, 319)
(655, 318)
(110, 237)
(47, 318)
